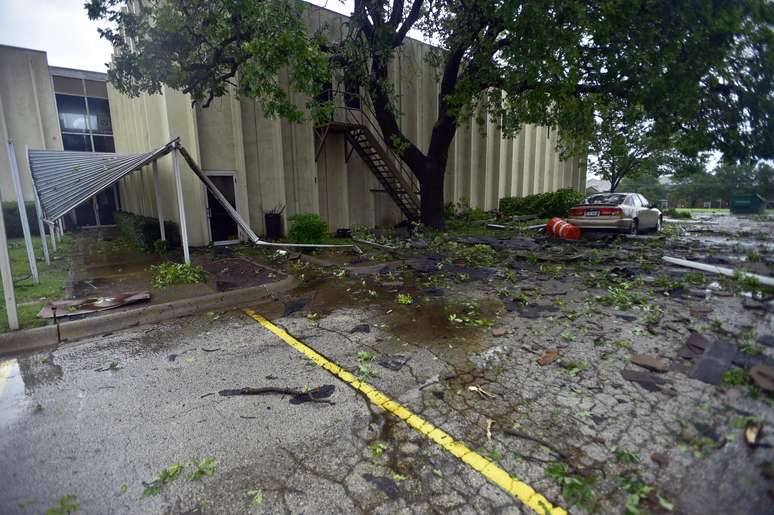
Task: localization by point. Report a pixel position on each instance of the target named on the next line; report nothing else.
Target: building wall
(28, 113)
(274, 160)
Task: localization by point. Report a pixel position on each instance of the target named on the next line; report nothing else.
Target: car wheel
(659, 221)
(634, 229)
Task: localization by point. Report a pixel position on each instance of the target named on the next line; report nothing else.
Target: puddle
(13, 401)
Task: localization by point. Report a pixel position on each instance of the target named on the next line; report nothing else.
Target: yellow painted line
(489, 469)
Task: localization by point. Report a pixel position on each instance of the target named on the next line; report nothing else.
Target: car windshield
(606, 198)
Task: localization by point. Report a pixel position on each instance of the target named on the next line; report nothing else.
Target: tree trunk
(431, 191)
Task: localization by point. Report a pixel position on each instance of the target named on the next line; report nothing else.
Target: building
(343, 170)
(267, 164)
(44, 107)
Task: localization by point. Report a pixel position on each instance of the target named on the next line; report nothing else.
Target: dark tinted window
(99, 116)
(72, 113)
(104, 144)
(78, 142)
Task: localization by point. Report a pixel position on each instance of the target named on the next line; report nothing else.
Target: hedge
(13, 228)
(143, 231)
(544, 205)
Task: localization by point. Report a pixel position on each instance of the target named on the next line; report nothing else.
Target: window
(72, 113)
(85, 123)
(103, 144)
(78, 142)
(644, 201)
(351, 94)
(99, 115)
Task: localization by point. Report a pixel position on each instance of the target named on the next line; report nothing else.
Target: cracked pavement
(69, 429)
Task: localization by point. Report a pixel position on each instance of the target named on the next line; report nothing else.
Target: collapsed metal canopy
(65, 179)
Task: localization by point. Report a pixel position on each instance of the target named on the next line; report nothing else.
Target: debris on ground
(650, 362)
(647, 380)
(548, 357)
(73, 307)
(394, 362)
(299, 396)
(763, 377)
(715, 361)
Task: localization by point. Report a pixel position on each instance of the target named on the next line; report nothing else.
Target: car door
(648, 216)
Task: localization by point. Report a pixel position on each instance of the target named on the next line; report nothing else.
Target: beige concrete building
(45, 107)
(28, 113)
(264, 164)
(343, 171)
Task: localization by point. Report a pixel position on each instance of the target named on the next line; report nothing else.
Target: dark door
(106, 206)
(223, 229)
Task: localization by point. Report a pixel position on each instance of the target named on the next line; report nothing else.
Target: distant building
(597, 186)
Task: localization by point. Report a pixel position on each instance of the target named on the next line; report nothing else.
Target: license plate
(592, 213)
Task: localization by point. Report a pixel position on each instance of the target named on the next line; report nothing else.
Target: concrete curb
(43, 337)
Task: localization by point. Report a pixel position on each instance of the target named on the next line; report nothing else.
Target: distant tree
(647, 185)
(701, 69)
(628, 145)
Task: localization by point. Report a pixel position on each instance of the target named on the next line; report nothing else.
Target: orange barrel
(565, 230)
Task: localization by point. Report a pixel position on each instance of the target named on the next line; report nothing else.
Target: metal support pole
(180, 206)
(159, 210)
(95, 207)
(5, 274)
(25, 223)
(39, 212)
(52, 232)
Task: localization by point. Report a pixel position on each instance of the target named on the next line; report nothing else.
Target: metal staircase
(356, 121)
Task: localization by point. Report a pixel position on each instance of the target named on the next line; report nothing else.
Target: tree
(696, 68)
(626, 145)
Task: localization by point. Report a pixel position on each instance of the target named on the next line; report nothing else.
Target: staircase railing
(365, 116)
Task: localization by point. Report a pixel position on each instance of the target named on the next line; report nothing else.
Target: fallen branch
(728, 272)
(544, 443)
(299, 396)
(374, 244)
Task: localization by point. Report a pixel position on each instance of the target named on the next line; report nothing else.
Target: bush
(674, 213)
(13, 227)
(307, 228)
(544, 205)
(168, 273)
(143, 231)
(481, 255)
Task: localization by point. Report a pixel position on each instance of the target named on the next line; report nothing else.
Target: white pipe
(52, 232)
(23, 213)
(39, 212)
(180, 206)
(159, 210)
(5, 274)
(768, 281)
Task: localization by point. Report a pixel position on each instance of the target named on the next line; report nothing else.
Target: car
(624, 212)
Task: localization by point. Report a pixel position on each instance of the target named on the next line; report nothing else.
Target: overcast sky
(62, 29)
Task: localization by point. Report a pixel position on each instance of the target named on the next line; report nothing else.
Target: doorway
(223, 230)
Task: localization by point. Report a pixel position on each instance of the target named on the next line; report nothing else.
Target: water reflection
(13, 401)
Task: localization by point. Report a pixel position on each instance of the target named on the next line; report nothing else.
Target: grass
(30, 297)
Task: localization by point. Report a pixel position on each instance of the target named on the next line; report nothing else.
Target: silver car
(626, 212)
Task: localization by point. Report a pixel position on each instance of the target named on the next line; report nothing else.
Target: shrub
(544, 205)
(143, 231)
(307, 228)
(168, 273)
(674, 213)
(480, 254)
(13, 226)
